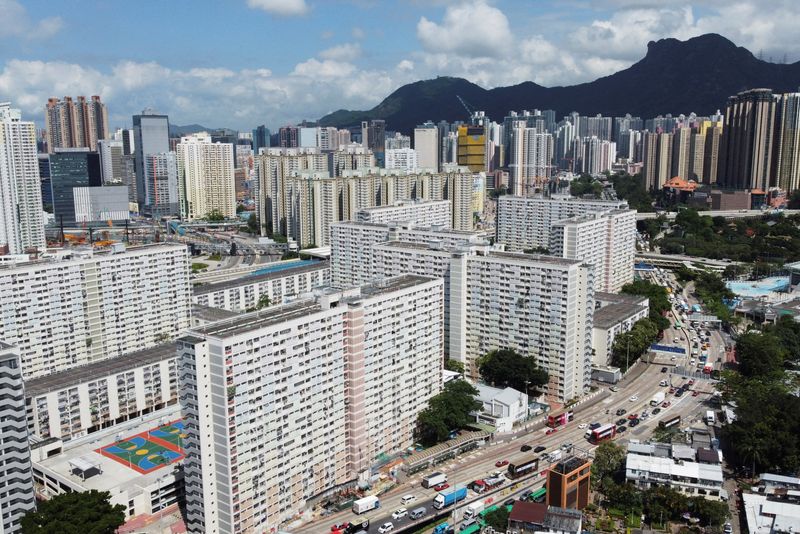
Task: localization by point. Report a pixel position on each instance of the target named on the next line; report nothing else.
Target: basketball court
(147, 451)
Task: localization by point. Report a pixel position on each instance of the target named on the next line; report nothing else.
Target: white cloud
(469, 29)
(358, 33)
(405, 65)
(17, 23)
(342, 52)
(280, 7)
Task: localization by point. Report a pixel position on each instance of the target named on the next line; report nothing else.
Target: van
(416, 513)
(663, 383)
(407, 499)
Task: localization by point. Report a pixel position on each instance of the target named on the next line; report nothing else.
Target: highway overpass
(728, 214)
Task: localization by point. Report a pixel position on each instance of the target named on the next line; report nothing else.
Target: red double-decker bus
(603, 433)
(560, 418)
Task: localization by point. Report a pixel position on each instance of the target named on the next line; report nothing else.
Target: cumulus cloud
(17, 23)
(469, 29)
(280, 7)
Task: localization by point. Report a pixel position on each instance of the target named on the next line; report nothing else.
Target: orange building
(568, 483)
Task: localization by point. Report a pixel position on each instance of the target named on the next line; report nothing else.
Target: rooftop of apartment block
(306, 305)
(88, 253)
(209, 314)
(613, 314)
(292, 270)
(100, 369)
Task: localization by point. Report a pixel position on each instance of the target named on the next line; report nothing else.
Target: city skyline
(352, 54)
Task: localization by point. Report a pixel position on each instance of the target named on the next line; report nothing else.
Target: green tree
(506, 367)
(498, 519)
(449, 410)
(86, 512)
(710, 513)
(657, 295)
(537, 250)
(609, 459)
(215, 216)
(630, 346)
(240, 208)
(760, 356)
(626, 497)
(454, 365)
(632, 189)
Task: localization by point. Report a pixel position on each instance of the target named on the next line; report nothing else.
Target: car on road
(582, 426)
(341, 526)
(666, 404)
(386, 527)
(441, 487)
(679, 392)
(509, 502)
(633, 398)
(501, 463)
(401, 512)
(551, 431)
(621, 421)
(644, 415)
(566, 446)
(620, 429)
(614, 389)
(621, 411)
(727, 529)
(672, 390)
(673, 358)
(632, 416)
(663, 369)
(695, 393)
(691, 381)
(525, 448)
(539, 448)
(656, 411)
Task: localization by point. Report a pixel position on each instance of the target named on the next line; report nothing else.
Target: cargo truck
(366, 504)
(657, 399)
(448, 497)
(434, 479)
(472, 510)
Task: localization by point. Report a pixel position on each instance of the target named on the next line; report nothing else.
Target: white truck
(554, 456)
(473, 509)
(710, 417)
(434, 479)
(366, 504)
(657, 399)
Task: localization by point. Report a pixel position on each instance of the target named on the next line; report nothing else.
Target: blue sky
(239, 63)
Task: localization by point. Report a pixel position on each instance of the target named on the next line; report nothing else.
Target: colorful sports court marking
(147, 451)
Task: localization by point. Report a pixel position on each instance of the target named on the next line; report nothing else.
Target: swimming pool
(281, 266)
(759, 288)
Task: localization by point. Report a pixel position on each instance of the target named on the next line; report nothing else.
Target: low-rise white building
(770, 516)
(417, 212)
(658, 464)
(290, 402)
(502, 408)
(245, 293)
(613, 315)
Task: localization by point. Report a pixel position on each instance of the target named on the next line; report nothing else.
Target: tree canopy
(632, 189)
(508, 368)
(449, 410)
(498, 519)
(630, 346)
(215, 216)
(454, 365)
(609, 459)
(657, 296)
(87, 512)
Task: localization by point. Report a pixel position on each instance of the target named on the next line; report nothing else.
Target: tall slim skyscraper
(75, 124)
(111, 153)
(161, 185)
(205, 177)
(426, 143)
(787, 157)
(289, 137)
(260, 138)
(151, 136)
(531, 158)
(746, 150)
(21, 220)
(681, 152)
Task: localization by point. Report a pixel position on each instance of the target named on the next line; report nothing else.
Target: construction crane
(470, 109)
(476, 117)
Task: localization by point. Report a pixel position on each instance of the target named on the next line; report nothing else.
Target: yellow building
(472, 148)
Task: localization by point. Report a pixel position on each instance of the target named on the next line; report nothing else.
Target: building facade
(87, 306)
(151, 136)
(101, 204)
(358, 364)
(426, 143)
(205, 177)
(17, 497)
(21, 219)
(418, 212)
(71, 169)
(75, 124)
(525, 223)
(161, 191)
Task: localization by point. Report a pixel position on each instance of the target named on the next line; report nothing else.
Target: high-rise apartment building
(125, 136)
(531, 158)
(597, 155)
(263, 394)
(597, 126)
(712, 133)
(73, 310)
(787, 153)
(161, 196)
(71, 168)
(205, 177)
(17, 497)
(426, 143)
(274, 167)
(111, 152)
(401, 158)
(350, 157)
(471, 151)
(21, 219)
(151, 136)
(604, 239)
(748, 138)
(681, 153)
(525, 223)
(75, 124)
(289, 137)
(397, 141)
(327, 138)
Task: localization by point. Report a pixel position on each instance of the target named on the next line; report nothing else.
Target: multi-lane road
(480, 463)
